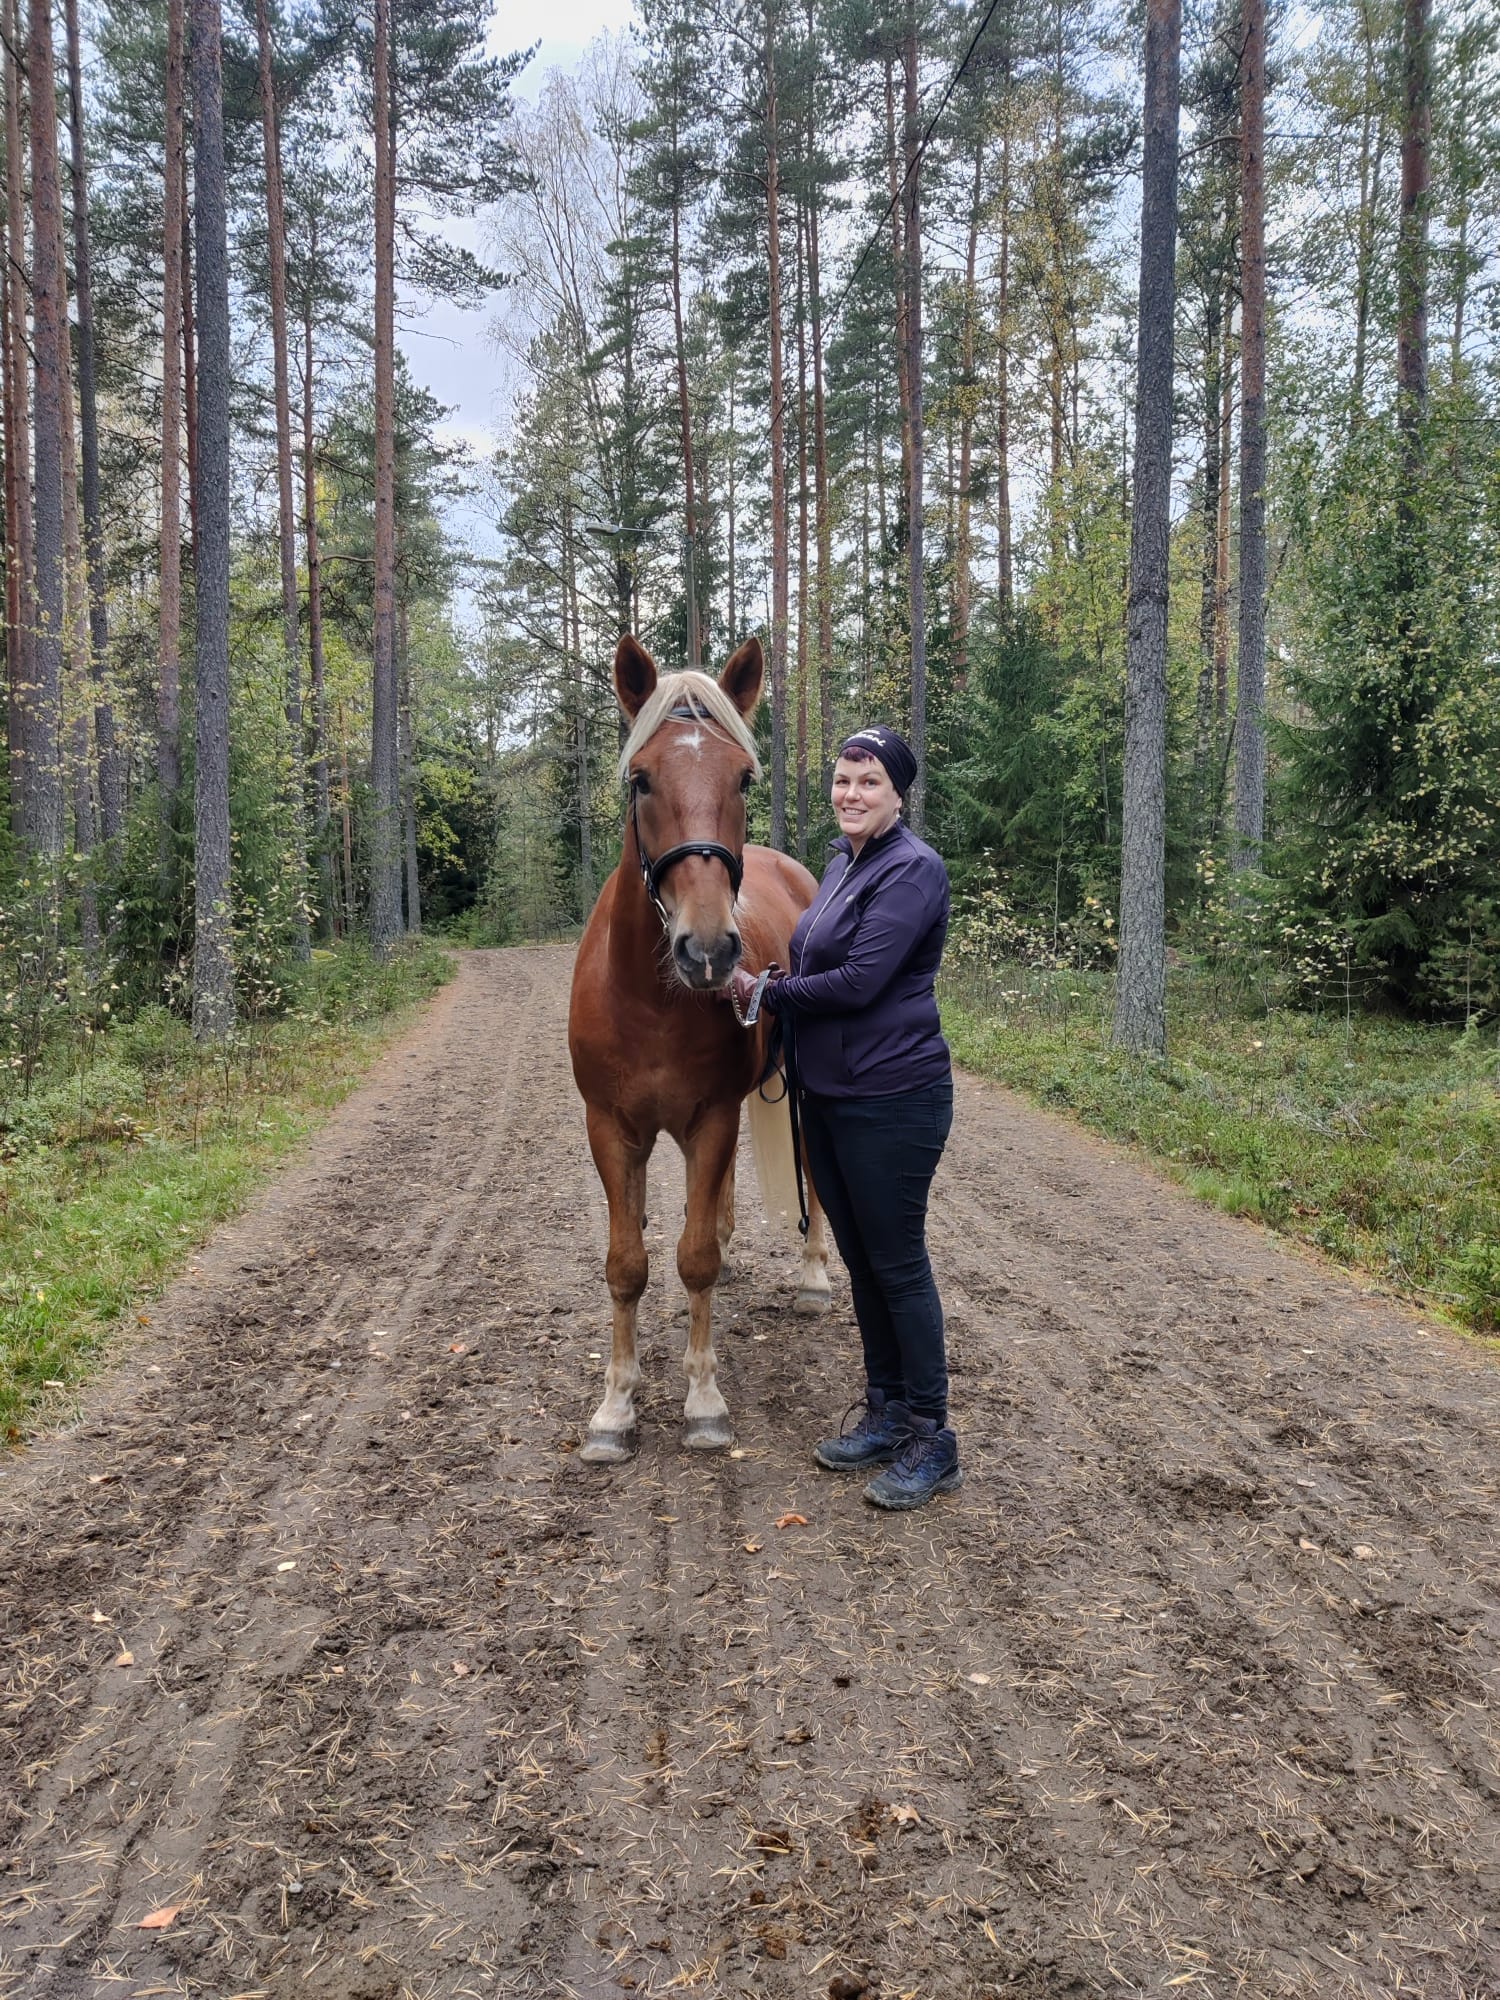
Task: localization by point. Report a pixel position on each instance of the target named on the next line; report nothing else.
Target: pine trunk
(820, 464)
(77, 689)
(1249, 727)
(685, 414)
(916, 803)
(1225, 520)
(1141, 989)
(1005, 580)
(963, 558)
(572, 622)
(899, 279)
(408, 780)
(286, 511)
(734, 603)
(189, 362)
(803, 579)
(1204, 761)
(1371, 158)
(320, 829)
(1413, 257)
(15, 675)
(20, 611)
(169, 616)
(385, 831)
(213, 965)
(779, 581)
(111, 757)
(50, 362)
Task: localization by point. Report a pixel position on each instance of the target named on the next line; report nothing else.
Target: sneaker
(877, 1437)
(926, 1463)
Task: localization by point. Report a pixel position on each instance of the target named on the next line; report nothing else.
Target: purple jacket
(864, 958)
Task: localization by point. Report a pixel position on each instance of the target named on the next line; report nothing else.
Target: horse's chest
(659, 1082)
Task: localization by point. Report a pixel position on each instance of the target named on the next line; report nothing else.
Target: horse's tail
(771, 1142)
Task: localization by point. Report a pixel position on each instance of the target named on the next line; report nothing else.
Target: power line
(879, 229)
(916, 162)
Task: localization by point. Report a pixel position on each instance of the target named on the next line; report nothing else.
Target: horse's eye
(641, 782)
(745, 782)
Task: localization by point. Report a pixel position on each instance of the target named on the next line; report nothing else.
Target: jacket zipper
(854, 861)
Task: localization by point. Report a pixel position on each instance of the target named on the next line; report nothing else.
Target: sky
(451, 352)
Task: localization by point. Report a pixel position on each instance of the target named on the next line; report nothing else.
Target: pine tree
(50, 364)
(286, 537)
(169, 709)
(213, 965)
(110, 753)
(1141, 991)
(1249, 728)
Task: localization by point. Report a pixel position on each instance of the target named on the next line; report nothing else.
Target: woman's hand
(741, 989)
(747, 992)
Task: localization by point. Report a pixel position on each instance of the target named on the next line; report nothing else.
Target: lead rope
(782, 1033)
(794, 1101)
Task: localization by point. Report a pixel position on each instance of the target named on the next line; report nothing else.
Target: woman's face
(865, 802)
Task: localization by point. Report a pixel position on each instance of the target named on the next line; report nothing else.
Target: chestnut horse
(655, 1046)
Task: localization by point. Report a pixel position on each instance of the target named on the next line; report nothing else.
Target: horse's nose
(707, 962)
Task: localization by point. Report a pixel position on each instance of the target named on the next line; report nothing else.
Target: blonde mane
(702, 694)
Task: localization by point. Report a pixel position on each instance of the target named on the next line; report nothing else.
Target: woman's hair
(858, 755)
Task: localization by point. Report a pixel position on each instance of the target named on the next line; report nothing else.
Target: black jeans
(873, 1160)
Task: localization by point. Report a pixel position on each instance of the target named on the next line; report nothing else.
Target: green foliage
(1387, 809)
(1377, 1142)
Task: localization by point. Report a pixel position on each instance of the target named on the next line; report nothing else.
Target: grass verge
(131, 1146)
(1377, 1141)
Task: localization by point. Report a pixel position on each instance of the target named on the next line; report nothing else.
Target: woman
(877, 1105)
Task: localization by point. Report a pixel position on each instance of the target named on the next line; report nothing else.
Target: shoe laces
(915, 1448)
(864, 1421)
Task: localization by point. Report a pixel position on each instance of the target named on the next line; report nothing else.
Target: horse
(655, 1045)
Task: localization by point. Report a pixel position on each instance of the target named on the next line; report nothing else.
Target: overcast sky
(449, 351)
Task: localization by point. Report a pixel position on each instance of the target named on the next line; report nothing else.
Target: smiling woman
(877, 1104)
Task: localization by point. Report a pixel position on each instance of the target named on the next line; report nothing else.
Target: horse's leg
(726, 1222)
(622, 1168)
(814, 1294)
(709, 1153)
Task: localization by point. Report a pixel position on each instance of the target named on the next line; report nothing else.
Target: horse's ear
(743, 673)
(635, 674)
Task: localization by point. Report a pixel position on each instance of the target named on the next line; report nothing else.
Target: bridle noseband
(654, 872)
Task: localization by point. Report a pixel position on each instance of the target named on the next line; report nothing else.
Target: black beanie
(892, 749)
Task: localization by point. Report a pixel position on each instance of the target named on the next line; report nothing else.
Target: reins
(653, 872)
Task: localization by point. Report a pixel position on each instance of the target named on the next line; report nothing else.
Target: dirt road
(316, 1630)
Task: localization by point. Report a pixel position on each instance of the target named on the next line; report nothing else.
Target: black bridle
(654, 872)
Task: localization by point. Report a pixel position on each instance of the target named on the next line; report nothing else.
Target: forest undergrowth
(127, 1146)
(1376, 1140)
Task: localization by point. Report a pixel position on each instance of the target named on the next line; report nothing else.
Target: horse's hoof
(607, 1448)
(707, 1434)
(727, 1273)
(812, 1303)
